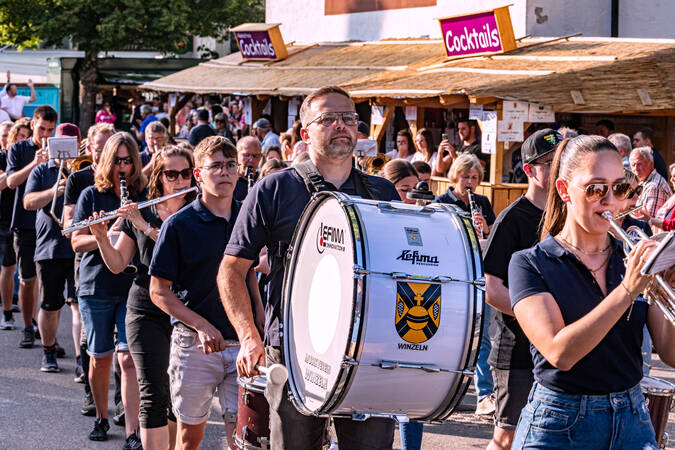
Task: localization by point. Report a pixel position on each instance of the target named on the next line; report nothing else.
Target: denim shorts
(100, 316)
(195, 377)
(556, 420)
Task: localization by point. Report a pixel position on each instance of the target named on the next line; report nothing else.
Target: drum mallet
(276, 373)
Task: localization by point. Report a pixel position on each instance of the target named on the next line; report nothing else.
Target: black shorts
(56, 282)
(511, 389)
(7, 255)
(24, 246)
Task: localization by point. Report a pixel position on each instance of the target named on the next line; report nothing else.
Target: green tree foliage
(96, 26)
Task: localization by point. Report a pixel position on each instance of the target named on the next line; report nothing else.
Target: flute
(114, 214)
(625, 213)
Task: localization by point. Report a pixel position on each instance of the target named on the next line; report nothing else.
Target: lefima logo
(328, 236)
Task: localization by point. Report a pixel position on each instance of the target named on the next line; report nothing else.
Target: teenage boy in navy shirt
(183, 273)
(21, 159)
(53, 254)
(268, 218)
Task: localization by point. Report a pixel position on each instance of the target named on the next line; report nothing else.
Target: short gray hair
(644, 152)
(156, 127)
(243, 142)
(621, 140)
(145, 109)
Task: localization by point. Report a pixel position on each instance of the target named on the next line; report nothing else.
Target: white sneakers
(6, 324)
(486, 406)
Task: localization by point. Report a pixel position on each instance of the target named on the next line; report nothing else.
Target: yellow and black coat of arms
(418, 310)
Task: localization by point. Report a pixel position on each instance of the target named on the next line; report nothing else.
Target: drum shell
(659, 398)
(253, 414)
(415, 393)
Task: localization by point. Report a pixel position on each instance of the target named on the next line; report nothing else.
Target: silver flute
(115, 214)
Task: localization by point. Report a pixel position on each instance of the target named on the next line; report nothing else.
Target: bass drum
(382, 308)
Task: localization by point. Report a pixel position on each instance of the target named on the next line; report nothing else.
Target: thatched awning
(607, 72)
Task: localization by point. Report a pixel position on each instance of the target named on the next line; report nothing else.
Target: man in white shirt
(13, 104)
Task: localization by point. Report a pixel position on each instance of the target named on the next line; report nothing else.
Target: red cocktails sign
(479, 33)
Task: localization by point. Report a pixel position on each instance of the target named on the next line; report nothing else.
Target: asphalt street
(42, 410)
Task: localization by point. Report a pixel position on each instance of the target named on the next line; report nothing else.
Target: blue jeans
(101, 316)
(555, 420)
(482, 379)
(411, 435)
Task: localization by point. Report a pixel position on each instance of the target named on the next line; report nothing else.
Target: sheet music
(663, 257)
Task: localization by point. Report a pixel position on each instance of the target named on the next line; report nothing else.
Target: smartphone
(444, 137)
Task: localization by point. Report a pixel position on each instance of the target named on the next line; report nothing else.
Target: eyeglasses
(172, 175)
(633, 192)
(250, 156)
(598, 191)
(126, 160)
(218, 166)
(328, 119)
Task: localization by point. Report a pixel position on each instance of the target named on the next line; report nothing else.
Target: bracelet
(148, 230)
(626, 289)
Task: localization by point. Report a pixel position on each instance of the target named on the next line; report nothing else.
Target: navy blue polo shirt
(78, 182)
(145, 156)
(6, 197)
(94, 276)
(240, 189)
(50, 243)
(268, 218)
(188, 253)
(20, 155)
(615, 364)
(481, 201)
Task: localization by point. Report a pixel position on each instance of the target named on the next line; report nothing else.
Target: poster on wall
(475, 112)
(488, 128)
(541, 113)
(377, 115)
(510, 131)
(248, 111)
(515, 111)
(411, 113)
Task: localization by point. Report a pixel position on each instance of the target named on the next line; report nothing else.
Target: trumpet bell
(374, 164)
(81, 162)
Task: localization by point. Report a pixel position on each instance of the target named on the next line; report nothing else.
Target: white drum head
(321, 303)
(656, 386)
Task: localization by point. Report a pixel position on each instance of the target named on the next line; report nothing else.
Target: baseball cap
(540, 143)
(68, 129)
(262, 123)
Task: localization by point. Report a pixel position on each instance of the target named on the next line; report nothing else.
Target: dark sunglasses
(633, 192)
(126, 160)
(172, 175)
(597, 191)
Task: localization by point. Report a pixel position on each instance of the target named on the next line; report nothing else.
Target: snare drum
(253, 415)
(659, 395)
(382, 308)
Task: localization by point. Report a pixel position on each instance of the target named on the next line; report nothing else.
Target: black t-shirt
(240, 189)
(516, 228)
(482, 202)
(188, 253)
(20, 155)
(199, 133)
(76, 183)
(615, 364)
(6, 197)
(139, 295)
(268, 218)
(660, 165)
(475, 149)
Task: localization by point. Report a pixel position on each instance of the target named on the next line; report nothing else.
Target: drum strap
(314, 181)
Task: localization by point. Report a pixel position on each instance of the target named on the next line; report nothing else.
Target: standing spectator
(235, 118)
(156, 137)
(190, 123)
(286, 148)
(249, 155)
(53, 254)
(202, 130)
(425, 148)
(263, 129)
(655, 188)
(147, 116)
(468, 134)
(623, 144)
(644, 137)
(105, 114)
(604, 127)
(164, 111)
(405, 147)
(12, 103)
(22, 158)
(222, 128)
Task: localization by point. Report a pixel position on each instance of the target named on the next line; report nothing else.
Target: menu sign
(479, 33)
(260, 41)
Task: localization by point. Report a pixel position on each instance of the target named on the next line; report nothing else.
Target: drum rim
(246, 383)
(476, 300)
(345, 374)
(658, 391)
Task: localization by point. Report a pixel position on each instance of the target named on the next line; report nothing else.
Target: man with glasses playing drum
(268, 218)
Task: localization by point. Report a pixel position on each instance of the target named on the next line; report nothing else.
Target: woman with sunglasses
(102, 294)
(148, 328)
(578, 305)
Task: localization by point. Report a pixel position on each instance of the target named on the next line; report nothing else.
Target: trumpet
(659, 291)
(115, 214)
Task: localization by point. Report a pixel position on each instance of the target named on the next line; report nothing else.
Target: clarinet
(250, 177)
(473, 208)
(124, 194)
